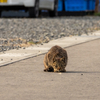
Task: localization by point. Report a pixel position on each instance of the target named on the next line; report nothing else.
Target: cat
(55, 60)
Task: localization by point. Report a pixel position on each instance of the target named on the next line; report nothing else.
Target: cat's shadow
(76, 72)
(81, 72)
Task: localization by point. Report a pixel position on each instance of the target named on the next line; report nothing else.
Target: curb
(35, 55)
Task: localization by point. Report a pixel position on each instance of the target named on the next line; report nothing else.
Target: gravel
(22, 32)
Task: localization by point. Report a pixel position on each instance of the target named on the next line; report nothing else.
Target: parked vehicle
(33, 6)
(50, 5)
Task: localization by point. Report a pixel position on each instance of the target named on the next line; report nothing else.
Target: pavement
(24, 79)
(9, 57)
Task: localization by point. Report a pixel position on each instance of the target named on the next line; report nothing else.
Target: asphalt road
(25, 80)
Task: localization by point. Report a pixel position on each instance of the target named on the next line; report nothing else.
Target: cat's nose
(58, 59)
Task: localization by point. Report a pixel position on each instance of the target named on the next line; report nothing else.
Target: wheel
(54, 12)
(0, 13)
(39, 13)
(34, 11)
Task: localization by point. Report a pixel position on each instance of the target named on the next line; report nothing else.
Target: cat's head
(59, 63)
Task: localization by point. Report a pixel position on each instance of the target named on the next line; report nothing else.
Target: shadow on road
(82, 72)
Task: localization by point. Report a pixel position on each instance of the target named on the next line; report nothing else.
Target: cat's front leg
(63, 70)
(49, 69)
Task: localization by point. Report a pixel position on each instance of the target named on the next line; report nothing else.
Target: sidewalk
(12, 56)
(25, 80)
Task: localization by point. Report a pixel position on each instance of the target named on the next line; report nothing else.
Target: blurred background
(28, 22)
(64, 8)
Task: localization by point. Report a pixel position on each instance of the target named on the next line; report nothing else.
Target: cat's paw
(64, 70)
(50, 69)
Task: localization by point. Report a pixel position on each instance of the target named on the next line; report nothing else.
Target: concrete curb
(63, 42)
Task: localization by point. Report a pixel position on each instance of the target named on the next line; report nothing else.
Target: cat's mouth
(59, 69)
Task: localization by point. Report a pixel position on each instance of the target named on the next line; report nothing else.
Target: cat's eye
(63, 59)
(53, 60)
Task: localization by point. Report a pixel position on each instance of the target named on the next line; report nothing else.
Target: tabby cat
(55, 60)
